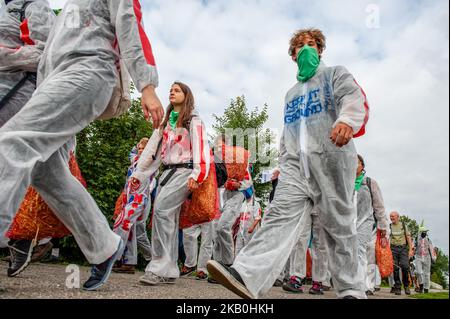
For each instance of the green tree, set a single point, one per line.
(238, 116)
(439, 270)
(412, 224)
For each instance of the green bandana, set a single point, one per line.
(359, 180)
(173, 119)
(308, 61)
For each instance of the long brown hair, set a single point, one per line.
(188, 107)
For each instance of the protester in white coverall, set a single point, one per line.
(24, 29)
(371, 216)
(233, 199)
(323, 112)
(182, 147)
(76, 78)
(196, 259)
(424, 255)
(249, 221)
(130, 224)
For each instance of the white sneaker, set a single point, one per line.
(151, 279)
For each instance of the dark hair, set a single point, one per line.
(188, 107)
(361, 159)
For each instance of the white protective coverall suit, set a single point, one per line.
(316, 172)
(76, 78)
(21, 46)
(250, 213)
(224, 246)
(424, 255)
(193, 148)
(194, 257)
(370, 210)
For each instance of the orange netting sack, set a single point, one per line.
(204, 205)
(236, 161)
(35, 219)
(384, 257)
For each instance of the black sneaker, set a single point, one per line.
(407, 291)
(425, 291)
(21, 251)
(392, 290)
(398, 291)
(278, 283)
(294, 284)
(349, 297)
(100, 273)
(369, 293)
(229, 278)
(377, 289)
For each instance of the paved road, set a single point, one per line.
(49, 281)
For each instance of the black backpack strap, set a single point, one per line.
(24, 9)
(21, 11)
(404, 231)
(369, 185)
(5, 99)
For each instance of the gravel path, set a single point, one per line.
(49, 281)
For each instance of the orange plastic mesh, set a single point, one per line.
(34, 213)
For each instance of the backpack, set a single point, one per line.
(221, 172)
(369, 185)
(221, 169)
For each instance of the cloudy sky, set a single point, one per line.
(397, 50)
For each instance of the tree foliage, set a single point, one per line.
(238, 116)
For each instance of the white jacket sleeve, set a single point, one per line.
(135, 48)
(351, 102)
(34, 31)
(201, 152)
(378, 207)
(150, 159)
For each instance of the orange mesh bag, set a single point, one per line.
(35, 219)
(204, 205)
(384, 257)
(184, 215)
(120, 205)
(236, 161)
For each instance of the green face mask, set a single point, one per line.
(359, 180)
(173, 119)
(308, 61)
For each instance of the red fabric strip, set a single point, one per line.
(25, 33)
(146, 46)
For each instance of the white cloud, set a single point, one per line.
(223, 49)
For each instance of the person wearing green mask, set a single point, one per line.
(425, 255)
(323, 112)
(371, 215)
(180, 144)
